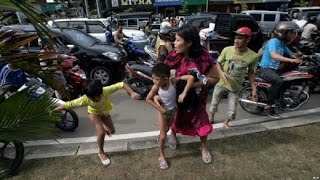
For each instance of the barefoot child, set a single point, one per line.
(99, 106)
(164, 86)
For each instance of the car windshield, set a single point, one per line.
(81, 37)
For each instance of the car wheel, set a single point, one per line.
(102, 74)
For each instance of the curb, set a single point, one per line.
(137, 141)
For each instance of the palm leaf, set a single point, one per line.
(23, 118)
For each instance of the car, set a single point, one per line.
(268, 20)
(97, 27)
(102, 61)
(300, 13)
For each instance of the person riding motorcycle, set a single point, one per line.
(12, 77)
(164, 45)
(310, 28)
(274, 53)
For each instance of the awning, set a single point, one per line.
(168, 2)
(50, 8)
(195, 2)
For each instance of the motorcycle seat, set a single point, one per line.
(142, 68)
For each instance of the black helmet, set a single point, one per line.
(285, 27)
(166, 33)
(312, 19)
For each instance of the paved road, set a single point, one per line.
(137, 116)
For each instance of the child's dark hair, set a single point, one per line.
(93, 88)
(161, 70)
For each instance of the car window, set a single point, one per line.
(95, 27)
(78, 25)
(257, 17)
(81, 38)
(269, 17)
(284, 17)
(132, 22)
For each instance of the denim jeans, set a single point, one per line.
(232, 101)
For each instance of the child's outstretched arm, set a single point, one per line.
(59, 108)
(150, 99)
(190, 80)
(131, 93)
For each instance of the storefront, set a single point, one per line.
(271, 5)
(167, 8)
(136, 5)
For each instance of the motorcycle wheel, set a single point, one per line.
(246, 93)
(69, 120)
(11, 157)
(138, 86)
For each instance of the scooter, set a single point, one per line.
(12, 153)
(140, 78)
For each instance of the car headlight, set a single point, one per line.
(111, 55)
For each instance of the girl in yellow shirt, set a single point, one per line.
(99, 106)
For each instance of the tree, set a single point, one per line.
(22, 118)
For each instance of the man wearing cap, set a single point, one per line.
(233, 63)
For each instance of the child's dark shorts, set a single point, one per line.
(169, 115)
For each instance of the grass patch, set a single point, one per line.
(291, 153)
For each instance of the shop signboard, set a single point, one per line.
(167, 2)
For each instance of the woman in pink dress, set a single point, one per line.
(188, 54)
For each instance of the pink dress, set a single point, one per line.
(196, 121)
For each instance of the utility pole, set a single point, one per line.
(98, 8)
(207, 4)
(87, 8)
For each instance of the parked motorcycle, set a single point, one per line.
(75, 77)
(12, 153)
(140, 77)
(293, 94)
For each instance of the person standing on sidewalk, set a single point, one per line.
(233, 63)
(99, 106)
(187, 48)
(165, 87)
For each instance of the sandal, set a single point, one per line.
(173, 145)
(163, 164)
(207, 158)
(106, 161)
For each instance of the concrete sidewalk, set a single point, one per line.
(145, 140)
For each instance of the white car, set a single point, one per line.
(97, 27)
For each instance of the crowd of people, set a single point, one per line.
(181, 100)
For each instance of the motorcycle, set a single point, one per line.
(311, 65)
(134, 53)
(293, 94)
(140, 77)
(12, 153)
(74, 76)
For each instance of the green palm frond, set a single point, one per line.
(24, 118)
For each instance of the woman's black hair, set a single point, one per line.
(93, 88)
(190, 34)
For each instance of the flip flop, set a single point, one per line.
(207, 158)
(106, 161)
(163, 164)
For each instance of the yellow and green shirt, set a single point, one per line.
(235, 65)
(102, 107)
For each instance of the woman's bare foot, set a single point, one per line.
(226, 123)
